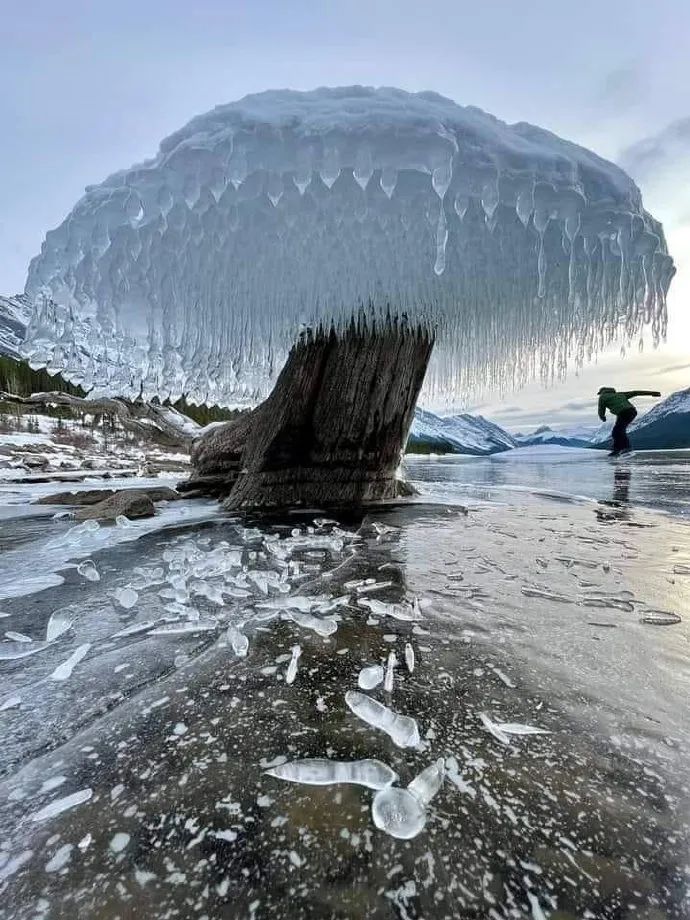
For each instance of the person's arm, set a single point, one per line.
(602, 409)
(632, 393)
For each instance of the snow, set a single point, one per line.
(15, 313)
(461, 434)
(288, 208)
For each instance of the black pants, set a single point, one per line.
(619, 433)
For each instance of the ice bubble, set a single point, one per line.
(238, 641)
(370, 677)
(126, 597)
(88, 570)
(321, 772)
(409, 657)
(291, 672)
(57, 806)
(401, 813)
(64, 670)
(58, 624)
(398, 813)
(388, 680)
(323, 627)
(402, 730)
(18, 637)
(660, 618)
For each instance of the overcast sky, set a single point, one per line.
(91, 87)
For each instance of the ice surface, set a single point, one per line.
(370, 677)
(11, 702)
(16, 650)
(321, 772)
(191, 273)
(64, 670)
(402, 730)
(57, 806)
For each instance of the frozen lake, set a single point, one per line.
(521, 592)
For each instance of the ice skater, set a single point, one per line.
(618, 403)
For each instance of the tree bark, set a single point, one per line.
(332, 430)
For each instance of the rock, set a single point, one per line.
(130, 502)
(92, 496)
(35, 463)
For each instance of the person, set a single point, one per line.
(618, 403)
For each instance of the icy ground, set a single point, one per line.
(487, 669)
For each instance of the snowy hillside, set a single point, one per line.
(456, 434)
(14, 316)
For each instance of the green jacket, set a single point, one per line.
(618, 401)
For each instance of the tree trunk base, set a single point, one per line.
(333, 429)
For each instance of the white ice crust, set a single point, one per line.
(194, 271)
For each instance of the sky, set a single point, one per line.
(91, 87)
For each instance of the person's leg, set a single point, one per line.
(618, 435)
(626, 418)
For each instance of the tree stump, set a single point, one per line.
(332, 430)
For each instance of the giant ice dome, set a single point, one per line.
(194, 272)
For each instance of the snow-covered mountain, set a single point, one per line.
(568, 436)
(456, 434)
(14, 316)
(665, 427)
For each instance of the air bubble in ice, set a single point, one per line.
(59, 622)
(402, 730)
(88, 570)
(321, 772)
(370, 677)
(64, 670)
(291, 672)
(238, 641)
(126, 597)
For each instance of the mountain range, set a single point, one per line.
(666, 426)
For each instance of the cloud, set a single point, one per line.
(578, 404)
(621, 88)
(672, 368)
(645, 157)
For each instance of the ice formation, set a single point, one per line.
(321, 772)
(194, 271)
(402, 730)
